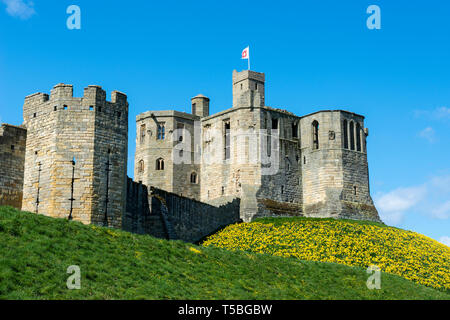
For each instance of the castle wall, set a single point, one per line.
(69, 143)
(167, 215)
(12, 161)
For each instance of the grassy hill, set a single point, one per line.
(353, 243)
(35, 252)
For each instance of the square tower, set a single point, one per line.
(248, 89)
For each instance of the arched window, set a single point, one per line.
(161, 132)
(160, 164)
(358, 136)
(141, 166)
(193, 177)
(352, 136)
(315, 134)
(345, 134)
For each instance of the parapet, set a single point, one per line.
(61, 91)
(248, 74)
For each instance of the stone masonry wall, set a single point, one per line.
(167, 215)
(70, 145)
(12, 160)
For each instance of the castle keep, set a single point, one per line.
(194, 172)
(313, 165)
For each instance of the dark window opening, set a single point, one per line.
(194, 108)
(282, 189)
(304, 160)
(345, 129)
(55, 108)
(275, 124)
(227, 140)
(354, 190)
(34, 115)
(256, 86)
(315, 133)
(91, 108)
(358, 137)
(160, 164)
(193, 177)
(223, 190)
(99, 109)
(119, 114)
(295, 130)
(181, 153)
(12, 147)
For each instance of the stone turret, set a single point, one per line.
(200, 106)
(76, 155)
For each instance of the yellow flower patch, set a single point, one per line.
(404, 253)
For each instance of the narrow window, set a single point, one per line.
(141, 166)
(256, 85)
(143, 128)
(119, 114)
(12, 147)
(193, 177)
(241, 86)
(180, 153)
(304, 160)
(223, 190)
(55, 108)
(227, 140)
(34, 115)
(282, 189)
(99, 109)
(160, 164)
(315, 134)
(275, 124)
(352, 136)
(345, 131)
(161, 131)
(358, 136)
(294, 130)
(354, 190)
(194, 106)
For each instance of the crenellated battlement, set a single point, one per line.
(61, 99)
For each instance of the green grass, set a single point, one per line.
(35, 252)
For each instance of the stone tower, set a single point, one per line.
(248, 88)
(76, 155)
(200, 106)
(335, 174)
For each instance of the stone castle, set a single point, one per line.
(69, 160)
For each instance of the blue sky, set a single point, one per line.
(315, 54)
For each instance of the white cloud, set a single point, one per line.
(445, 240)
(19, 8)
(428, 134)
(393, 205)
(442, 211)
(442, 113)
(430, 198)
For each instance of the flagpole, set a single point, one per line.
(248, 58)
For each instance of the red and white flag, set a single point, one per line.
(246, 55)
